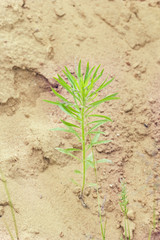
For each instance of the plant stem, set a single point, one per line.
(10, 204)
(103, 229)
(83, 148)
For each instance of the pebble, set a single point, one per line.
(87, 191)
(108, 206)
(94, 194)
(59, 12)
(1, 211)
(151, 100)
(131, 214)
(77, 190)
(151, 150)
(128, 107)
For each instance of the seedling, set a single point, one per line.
(84, 93)
(11, 208)
(124, 207)
(153, 227)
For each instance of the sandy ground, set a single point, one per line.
(37, 39)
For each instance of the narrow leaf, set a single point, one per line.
(63, 83)
(72, 149)
(104, 161)
(95, 185)
(95, 73)
(101, 116)
(100, 121)
(71, 78)
(79, 69)
(59, 95)
(77, 171)
(55, 103)
(110, 97)
(66, 152)
(97, 78)
(69, 124)
(94, 127)
(61, 129)
(70, 130)
(75, 182)
(87, 70)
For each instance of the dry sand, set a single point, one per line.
(37, 39)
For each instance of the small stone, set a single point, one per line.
(100, 148)
(77, 190)
(142, 130)
(128, 107)
(61, 234)
(94, 194)
(1, 211)
(59, 11)
(50, 52)
(26, 115)
(151, 100)
(107, 134)
(87, 191)
(151, 150)
(131, 214)
(118, 226)
(108, 206)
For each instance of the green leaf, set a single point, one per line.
(110, 97)
(70, 130)
(63, 84)
(87, 70)
(103, 85)
(88, 85)
(94, 127)
(77, 171)
(55, 103)
(59, 95)
(94, 132)
(100, 121)
(75, 182)
(89, 161)
(69, 124)
(95, 73)
(66, 152)
(104, 161)
(69, 111)
(89, 164)
(62, 129)
(100, 75)
(96, 137)
(90, 157)
(71, 78)
(97, 143)
(95, 185)
(101, 116)
(72, 149)
(79, 69)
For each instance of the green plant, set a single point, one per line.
(86, 129)
(11, 208)
(124, 207)
(152, 228)
(83, 92)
